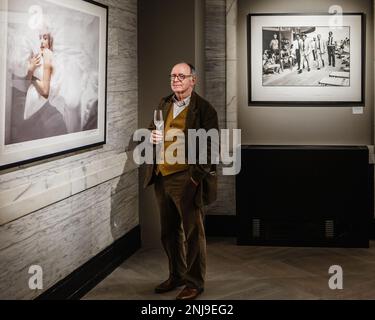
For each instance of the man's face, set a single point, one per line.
(275, 36)
(186, 85)
(298, 37)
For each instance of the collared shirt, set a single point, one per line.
(179, 106)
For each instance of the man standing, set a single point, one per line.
(274, 44)
(297, 45)
(313, 48)
(320, 51)
(306, 51)
(331, 49)
(182, 189)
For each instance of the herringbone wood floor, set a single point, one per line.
(248, 272)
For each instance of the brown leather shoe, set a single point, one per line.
(169, 285)
(189, 293)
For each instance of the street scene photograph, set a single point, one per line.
(306, 56)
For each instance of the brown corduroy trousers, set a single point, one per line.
(182, 230)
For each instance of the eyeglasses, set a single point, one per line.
(179, 76)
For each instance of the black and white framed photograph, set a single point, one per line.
(53, 64)
(306, 59)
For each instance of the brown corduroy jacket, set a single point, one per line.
(200, 115)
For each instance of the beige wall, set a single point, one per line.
(322, 125)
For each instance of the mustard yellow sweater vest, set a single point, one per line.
(170, 123)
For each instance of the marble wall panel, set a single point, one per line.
(219, 61)
(66, 234)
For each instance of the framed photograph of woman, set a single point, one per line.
(53, 69)
(306, 59)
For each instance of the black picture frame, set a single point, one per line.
(360, 92)
(92, 125)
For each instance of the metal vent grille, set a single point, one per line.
(256, 228)
(329, 229)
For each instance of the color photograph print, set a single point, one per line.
(53, 77)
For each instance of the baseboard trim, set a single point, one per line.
(86, 277)
(220, 225)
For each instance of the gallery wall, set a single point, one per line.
(62, 236)
(307, 125)
(226, 88)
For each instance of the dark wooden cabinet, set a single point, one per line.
(304, 196)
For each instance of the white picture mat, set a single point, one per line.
(353, 93)
(23, 151)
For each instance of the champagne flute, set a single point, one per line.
(158, 121)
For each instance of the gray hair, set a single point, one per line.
(192, 68)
